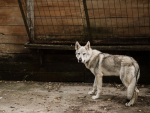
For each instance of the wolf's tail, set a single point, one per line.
(137, 70)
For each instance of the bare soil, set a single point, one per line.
(44, 97)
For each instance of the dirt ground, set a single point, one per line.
(49, 97)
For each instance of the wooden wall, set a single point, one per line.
(19, 63)
(12, 38)
(120, 18)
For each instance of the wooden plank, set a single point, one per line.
(56, 39)
(56, 8)
(13, 30)
(105, 13)
(58, 30)
(124, 41)
(120, 32)
(13, 48)
(58, 13)
(8, 3)
(9, 39)
(133, 31)
(55, 0)
(15, 10)
(74, 3)
(11, 20)
(120, 22)
(10, 11)
(117, 4)
(114, 22)
(58, 21)
(95, 3)
(67, 47)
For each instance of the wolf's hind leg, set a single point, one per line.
(134, 98)
(131, 93)
(137, 93)
(94, 88)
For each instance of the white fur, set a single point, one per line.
(105, 65)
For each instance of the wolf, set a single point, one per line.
(104, 64)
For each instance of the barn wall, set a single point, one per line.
(19, 63)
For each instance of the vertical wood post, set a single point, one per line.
(30, 18)
(87, 20)
(25, 21)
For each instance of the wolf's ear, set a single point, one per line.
(77, 45)
(87, 46)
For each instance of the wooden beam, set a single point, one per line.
(30, 17)
(70, 47)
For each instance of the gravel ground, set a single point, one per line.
(50, 97)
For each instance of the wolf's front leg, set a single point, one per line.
(94, 88)
(99, 86)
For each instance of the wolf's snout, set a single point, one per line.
(80, 60)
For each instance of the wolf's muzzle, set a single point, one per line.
(80, 60)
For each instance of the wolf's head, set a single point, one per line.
(83, 53)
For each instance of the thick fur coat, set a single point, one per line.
(103, 64)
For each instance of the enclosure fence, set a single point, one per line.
(100, 21)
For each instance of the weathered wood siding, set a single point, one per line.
(18, 63)
(120, 18)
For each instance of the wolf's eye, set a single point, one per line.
(83, 53)
(78, 53)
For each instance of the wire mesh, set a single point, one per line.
(110, 21)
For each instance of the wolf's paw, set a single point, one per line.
(95, 97)
(90, 92)
(128, 104)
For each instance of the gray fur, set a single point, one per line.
(103, 64)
